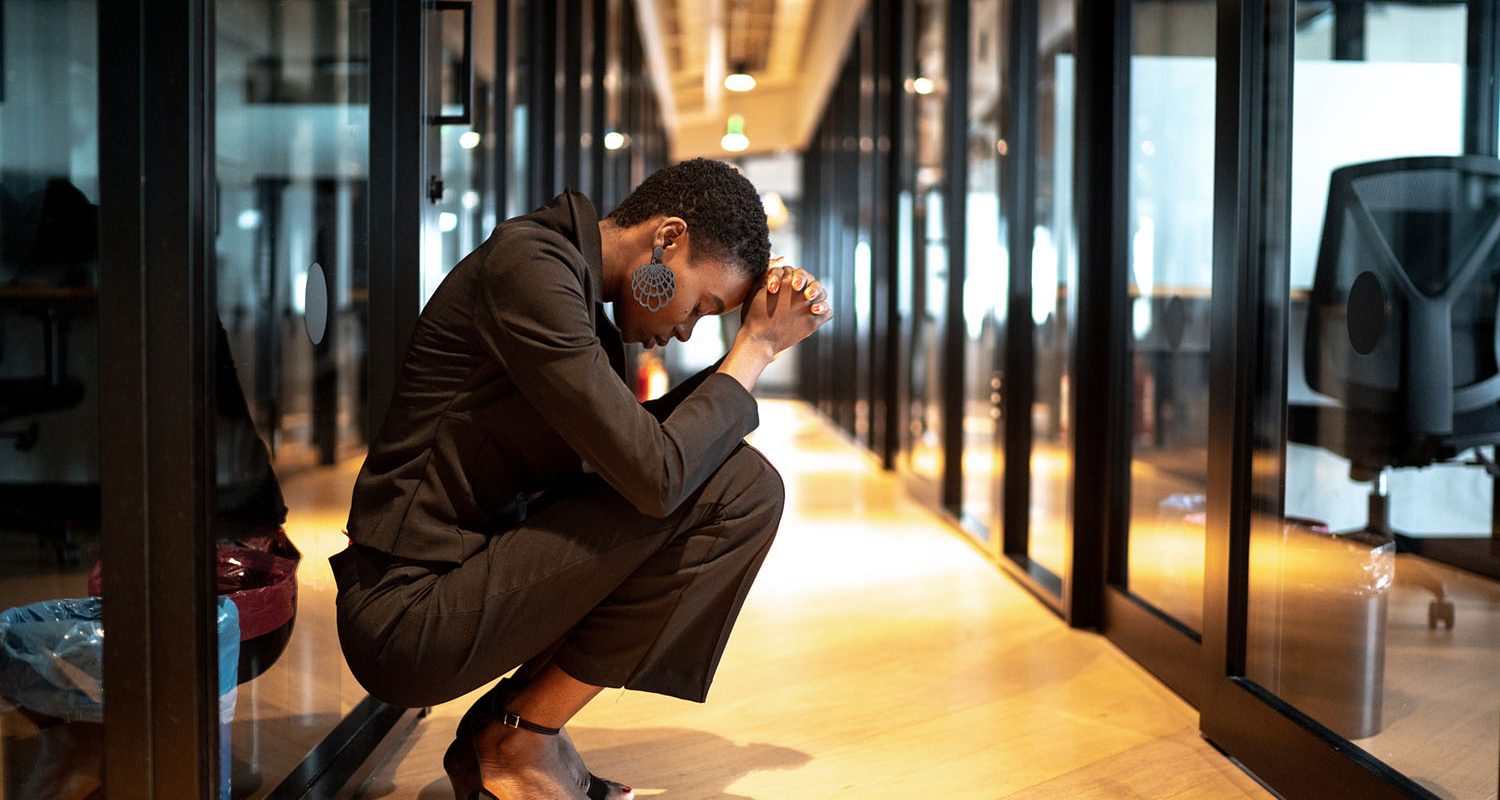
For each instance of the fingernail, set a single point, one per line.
(773, 285)
(796, 283)
(817, 308)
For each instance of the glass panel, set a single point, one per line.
(1171, 277)
(987, 261)
(465, 204)
(930, 255)
(1375, 574)
(292, 134)
(1054, 264)
(51, 723)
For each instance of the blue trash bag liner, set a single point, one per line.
(52, 654)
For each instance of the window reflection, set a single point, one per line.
(292, 162)
(1171, 275)
(51, 676)
(927, 88)
(987, 265)
(1053, 269)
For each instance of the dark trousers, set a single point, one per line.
(625, 599)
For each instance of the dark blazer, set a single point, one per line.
(512, 383)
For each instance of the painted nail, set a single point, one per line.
(797, 283)
(773, 285)
(817, 308)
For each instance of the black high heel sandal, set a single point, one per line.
(461, 762)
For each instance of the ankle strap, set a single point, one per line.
(514, 720)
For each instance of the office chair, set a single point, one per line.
(1402, 327)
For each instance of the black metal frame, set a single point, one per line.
(1101, 456)
(157, 329)
(955, 210)
(1482, 80)
(466, 68)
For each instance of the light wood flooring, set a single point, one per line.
(881, 656)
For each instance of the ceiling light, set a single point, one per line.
(468, 140)
(735, 139)
(922, 86)
(740, 80)
(614, 140)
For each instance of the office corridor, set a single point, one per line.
(880, 656)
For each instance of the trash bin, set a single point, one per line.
(1335, 591)
(51, 664)
(260, 576)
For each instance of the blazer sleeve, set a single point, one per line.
(662, 407)
(534, 316)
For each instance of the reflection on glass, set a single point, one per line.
(292, 166)
(1054, 261)
(51, 717)
(988, 271)
(930, 268)
(467, 210)
(1171, 276)
(1375, 597)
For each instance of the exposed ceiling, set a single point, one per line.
(793, 48)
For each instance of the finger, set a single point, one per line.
(800, 278)
(821, 309)
(773, 280)
(814, 291)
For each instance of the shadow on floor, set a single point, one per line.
(661, 763)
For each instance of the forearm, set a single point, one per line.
(747, 359)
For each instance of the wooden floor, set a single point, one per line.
(880, 656)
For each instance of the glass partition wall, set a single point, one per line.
(1374, 578)
(240, 179)
(1250, 251)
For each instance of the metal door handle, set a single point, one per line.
(466, 68)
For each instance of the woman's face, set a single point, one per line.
(703, 287)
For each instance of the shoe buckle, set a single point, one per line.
(511, 719)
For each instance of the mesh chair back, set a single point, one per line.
(1402, 318)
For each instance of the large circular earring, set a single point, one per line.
(653, 285)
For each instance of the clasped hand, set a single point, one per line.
(787, 309)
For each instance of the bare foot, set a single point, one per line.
(617, 791)
(520, 765)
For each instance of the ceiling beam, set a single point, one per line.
(656, 63)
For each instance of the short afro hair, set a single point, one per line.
(721, 207)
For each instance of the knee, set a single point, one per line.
(763, 489)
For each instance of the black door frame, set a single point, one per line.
(155, 345)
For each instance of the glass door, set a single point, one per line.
(1364, 654)
(1154, 604)
(1052, 260)
(460, 205)
(925, 264)
(986, 272)
(291, 217)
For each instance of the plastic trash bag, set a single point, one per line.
(52, 654)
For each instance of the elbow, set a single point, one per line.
(657, 503)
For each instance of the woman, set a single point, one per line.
(520, 508)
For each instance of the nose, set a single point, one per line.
(684, 331)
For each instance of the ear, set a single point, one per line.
(668, 233)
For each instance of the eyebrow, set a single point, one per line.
(718, 300)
